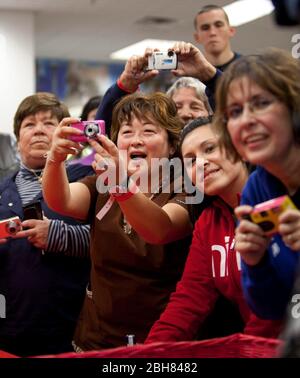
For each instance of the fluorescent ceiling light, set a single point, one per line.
(239, 12)
(140, 47)
(243, 11)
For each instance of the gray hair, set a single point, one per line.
(190, 82)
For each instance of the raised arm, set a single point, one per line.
(191, 62)
(69, 199)
(133, 75)
(155, 224)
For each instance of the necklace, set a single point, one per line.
(127, 228)
(38, 174)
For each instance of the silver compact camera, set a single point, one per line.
(162, 60)
(9, 227)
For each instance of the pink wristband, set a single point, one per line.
(121, 86)
(120, 197)
(121, 193)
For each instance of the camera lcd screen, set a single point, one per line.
(168, 61)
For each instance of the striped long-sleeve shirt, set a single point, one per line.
(70, 240)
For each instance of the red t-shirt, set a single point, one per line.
(213, 267)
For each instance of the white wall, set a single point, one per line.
(17, 70)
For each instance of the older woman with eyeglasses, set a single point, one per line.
(258, 117)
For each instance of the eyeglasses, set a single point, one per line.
(257, 105)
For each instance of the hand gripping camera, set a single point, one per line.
(9, 227)
(89, 129)
(162, 60)
(266, 214)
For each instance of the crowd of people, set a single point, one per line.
(121, 245)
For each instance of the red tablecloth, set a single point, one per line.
(234, 346)
(6, 355)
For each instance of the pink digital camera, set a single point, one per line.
(89, 129)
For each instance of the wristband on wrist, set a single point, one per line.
(121, 86)
(120, 197)
(123, 192)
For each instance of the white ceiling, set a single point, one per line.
(92, 29)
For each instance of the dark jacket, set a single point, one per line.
(268, 285)
(43, 292)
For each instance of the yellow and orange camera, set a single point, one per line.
(266, 214)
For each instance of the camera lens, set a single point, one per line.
(91, 130)
(266, 225)
(170, 53)
(12, 227)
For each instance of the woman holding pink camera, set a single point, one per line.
(138, 235)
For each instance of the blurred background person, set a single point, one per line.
(287, 12)
(89, 109)
(214, 32)
(189, 96)
(85, 155)
(9, 158)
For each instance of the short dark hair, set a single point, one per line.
(41, 101)
(157, 106)
(208, 8)
(194, 124)
(91, 104)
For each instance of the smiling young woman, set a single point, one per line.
(212, 268)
